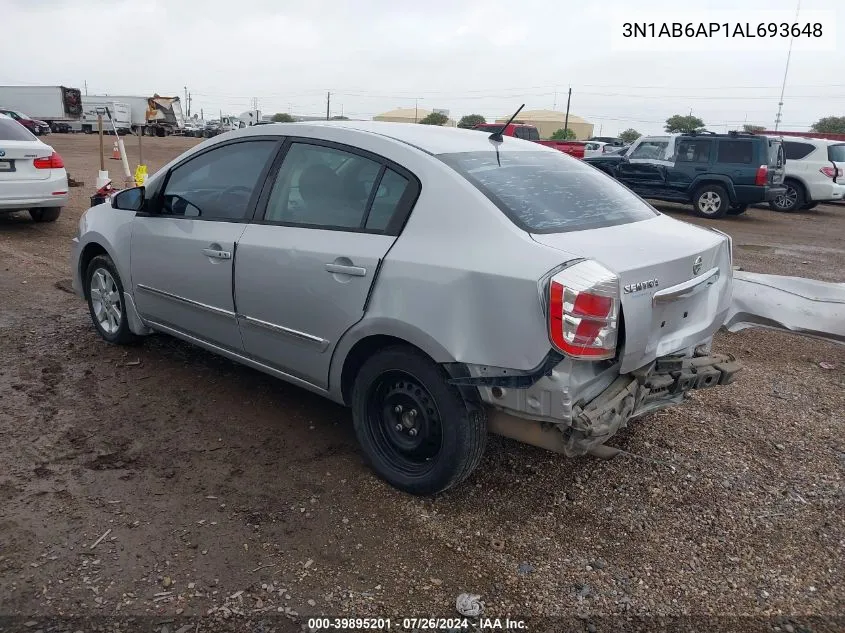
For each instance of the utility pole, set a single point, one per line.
(328, 104)
(186, 95)
(86, 87)
(554, 105)
(566, 119)
(416, 109)
(785, 73)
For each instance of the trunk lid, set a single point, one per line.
(659, 256)
(16, 160)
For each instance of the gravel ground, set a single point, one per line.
(162, 482)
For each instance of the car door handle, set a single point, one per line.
(341, 269)
(216, 254)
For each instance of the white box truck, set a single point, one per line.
(121, 114)
(57, 105)
(152, 116)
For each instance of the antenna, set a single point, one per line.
(497, 136)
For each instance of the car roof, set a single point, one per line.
(808, 139)
(429, 138)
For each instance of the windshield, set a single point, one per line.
(549, 192)
(13, 131)
(836, 153)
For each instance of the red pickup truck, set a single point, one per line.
(530, 133)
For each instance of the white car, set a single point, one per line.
(594, 148)
(32, 174)
(815, 172)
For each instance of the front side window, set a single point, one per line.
(652, 150)
(218, 184)
(322, 186)
(549, 192)
(737, 152)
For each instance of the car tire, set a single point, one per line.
(792, 200)
(738, 209)
(107, 313)
(45, 214)
(418, 433)
(711, 201)
(809, 206)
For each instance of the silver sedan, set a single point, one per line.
(440, 282)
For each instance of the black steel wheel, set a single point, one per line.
(417, 431)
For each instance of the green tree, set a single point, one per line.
(684, 124)
(283, 117)
(563, 135)
(469, 121)
(753, 129)
(629, 136)
(830, 125)
(435, 118)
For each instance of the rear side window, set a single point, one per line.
(796, 151)
(693, 151)
(739, 152)
(836, 153)
(531, 134)
(549, 192)
(13, 131)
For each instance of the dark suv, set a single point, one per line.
(716, 173)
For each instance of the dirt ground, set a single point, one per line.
(165, 483)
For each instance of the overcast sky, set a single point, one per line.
(466, 56)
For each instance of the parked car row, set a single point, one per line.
(33, 125)
(723, 174)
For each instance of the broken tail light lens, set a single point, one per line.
(584, 311)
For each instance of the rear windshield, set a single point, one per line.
(549, 192)
(836, 152)
(13, 131)
(777, 158)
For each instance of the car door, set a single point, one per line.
(644, 169)
(306, 266)
(692, 159)
(183, 246)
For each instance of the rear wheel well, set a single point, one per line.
(798, 183)
(709, 183)
(358, 355)
(90, 251)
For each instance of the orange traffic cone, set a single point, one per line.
(115, 152)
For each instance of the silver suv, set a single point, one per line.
(438, 282)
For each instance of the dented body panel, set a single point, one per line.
(791, 304)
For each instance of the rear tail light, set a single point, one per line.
(53, 161)
(584, 311)
(762, 176)
(832, 172)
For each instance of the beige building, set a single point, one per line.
(407, 115)
(548, 122)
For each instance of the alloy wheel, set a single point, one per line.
(106, 301)
(709, 202)
(788, 200)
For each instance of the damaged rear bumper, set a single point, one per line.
(660, 384)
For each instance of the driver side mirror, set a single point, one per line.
(129, 199)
